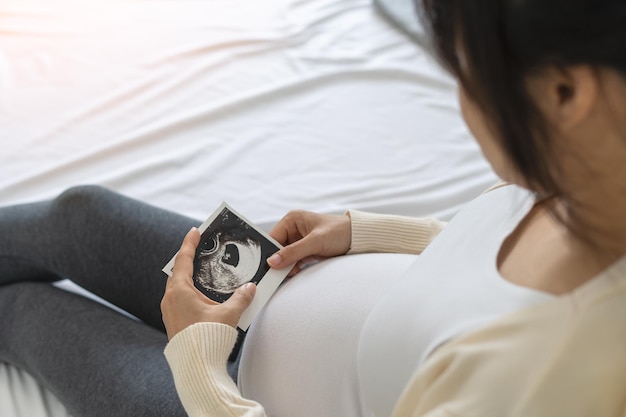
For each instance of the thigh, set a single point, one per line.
(107, 243)
(96, 361)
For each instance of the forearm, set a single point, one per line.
(391, 233)
(197, 357)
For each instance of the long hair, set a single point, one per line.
(504, 41)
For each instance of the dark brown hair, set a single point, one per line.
(504, 41)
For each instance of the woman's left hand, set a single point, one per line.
(183, 304)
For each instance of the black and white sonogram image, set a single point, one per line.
(231, 252)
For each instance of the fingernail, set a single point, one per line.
(274, 260)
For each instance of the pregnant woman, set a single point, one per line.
(517, 307)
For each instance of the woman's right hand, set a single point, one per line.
(309, 237)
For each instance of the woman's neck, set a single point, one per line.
(592, 158)
(596, 216)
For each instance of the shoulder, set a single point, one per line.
(497, 185)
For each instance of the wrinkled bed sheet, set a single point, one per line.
(270, 105)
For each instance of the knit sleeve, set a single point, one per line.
(391, 233)
(197, 357)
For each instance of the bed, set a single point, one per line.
(269, 105)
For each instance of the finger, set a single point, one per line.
(294, 271)
(303, 264)
(241, 299)
(293, 253)
(183, 264)
(310, 260)
(280, 231)
(286, 230)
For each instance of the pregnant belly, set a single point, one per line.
(299, 358)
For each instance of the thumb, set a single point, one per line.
(242, 298)
(291, 254)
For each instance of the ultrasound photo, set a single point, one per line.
(233, 251)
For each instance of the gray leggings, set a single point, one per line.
(97, 361)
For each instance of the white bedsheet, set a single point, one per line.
(270, 105)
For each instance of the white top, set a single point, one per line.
(452, 288)
(331, 323)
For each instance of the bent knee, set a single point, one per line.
(82, 195)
